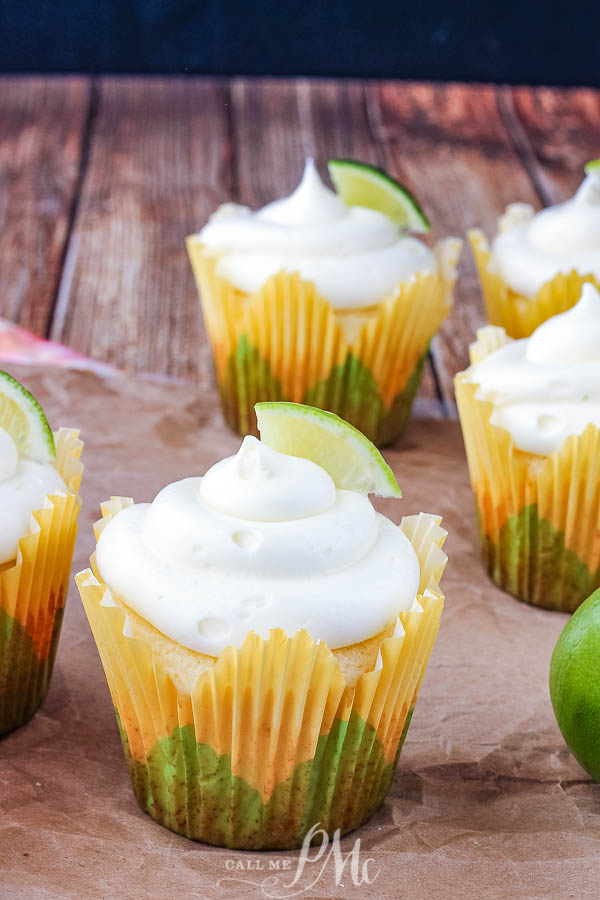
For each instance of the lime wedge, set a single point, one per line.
(359, 184)
(354, 463)
(23, 418)
(593, 167)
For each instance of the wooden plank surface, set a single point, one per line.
(42, 136)
(159, 163)
(103, 179)
(556, 132)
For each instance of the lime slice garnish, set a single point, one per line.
(354, 463)
(24, 420)
(359, 184)
(593, 167)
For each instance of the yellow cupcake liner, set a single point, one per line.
(539, 516)
(285, 342)
(33, 591)
(272, 739)
(518, 314)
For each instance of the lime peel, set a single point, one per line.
(342, 450)
(24, 420)
(360, 184)
(575, 687)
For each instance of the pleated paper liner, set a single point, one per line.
(285, 342)
(517, 314)
(33, 590)
(539, 516)
(271, 739)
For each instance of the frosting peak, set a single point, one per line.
(263, 541)
(531, 250)
(310, 203)
(572, 336)
(547, 387)
(266, 486)
(355, 256)
(589, 190)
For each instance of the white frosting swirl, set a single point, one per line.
(547, 387)
(531, 250)
(24, 486)
(264, 540)
(355, 256)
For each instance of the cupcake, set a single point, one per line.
(530, 415)
(40, 474)
(264, 633)
(319, 299)
(538, 263)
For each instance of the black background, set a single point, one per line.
(530, 42)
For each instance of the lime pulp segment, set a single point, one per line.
(24, 420)
(360, 184)
(345, 453)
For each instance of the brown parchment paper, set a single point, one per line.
(487, 801)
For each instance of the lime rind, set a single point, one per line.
(593, 167)
(342, 450)
(574, 687)
(36, 441)
(360, 184)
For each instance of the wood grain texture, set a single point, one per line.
(159, 163)
(267, 139)
(101, 182)
(42, 133)
(556, 133)
(450, 145)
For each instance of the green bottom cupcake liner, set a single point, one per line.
(24, 676)
(190, 789)
(530, 561)
(350, 391)
(271, 740)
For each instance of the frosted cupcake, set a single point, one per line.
(318, 299)
(40, 475)
(530, 414)
(538, 263)
(264, 634)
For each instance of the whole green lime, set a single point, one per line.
(575, 684)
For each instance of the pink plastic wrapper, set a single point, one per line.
(17, 345)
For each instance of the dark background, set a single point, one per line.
(530, 41)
